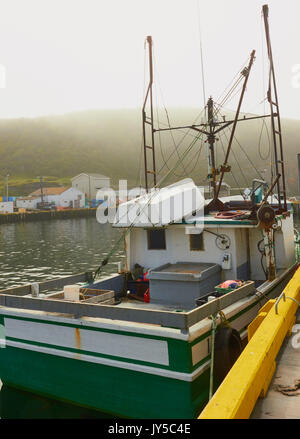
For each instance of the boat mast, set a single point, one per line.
(149, 145)
(211, 139)
(275, 116)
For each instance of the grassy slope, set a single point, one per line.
(109, 142)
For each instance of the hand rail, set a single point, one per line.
(282, 295)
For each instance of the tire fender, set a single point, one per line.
(228, 346)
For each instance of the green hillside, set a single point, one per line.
(109, 142)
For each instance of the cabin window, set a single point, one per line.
(196, 242)
(156, 239)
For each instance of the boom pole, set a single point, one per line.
(224, 167)
(149, 146)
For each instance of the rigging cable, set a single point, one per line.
(263, 254)
(187, 132)
(180, 143)
(263, 92)
(229, 94)
(250, 161)
(259, 142)
(254, 167)
(264, 56)
(201, 55)
(237, 162)
(226, 99)
(233, 177)
(197, 154)
(235, 77)
(263, 50)
(176, 147)
(241, 171)
(168, 120)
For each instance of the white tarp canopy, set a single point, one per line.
(161, 207)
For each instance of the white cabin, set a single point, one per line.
(235, 245)
(154, 247)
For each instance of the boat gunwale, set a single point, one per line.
(166, 318)
(173, 319)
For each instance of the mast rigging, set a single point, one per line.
(213, 127)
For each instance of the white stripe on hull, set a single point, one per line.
(134, 348)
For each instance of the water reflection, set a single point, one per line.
(17, 404)
(37, 251)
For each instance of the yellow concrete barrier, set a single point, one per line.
(251, 375)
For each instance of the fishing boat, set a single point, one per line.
(155, 339)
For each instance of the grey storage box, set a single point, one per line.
(182, 283)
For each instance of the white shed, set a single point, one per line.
(61, 196)
(6, 207)
(27, 202)
(89, 184)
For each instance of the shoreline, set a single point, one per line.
(16, 217)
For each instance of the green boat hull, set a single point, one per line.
(120, 392)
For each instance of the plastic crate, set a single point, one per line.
(138, 287)
(225, 290)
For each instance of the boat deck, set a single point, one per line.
(140, 304)
(283, 398)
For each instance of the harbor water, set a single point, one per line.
(42, 250)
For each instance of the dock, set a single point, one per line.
(265, 380)
(283, 398)
(43, 215)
